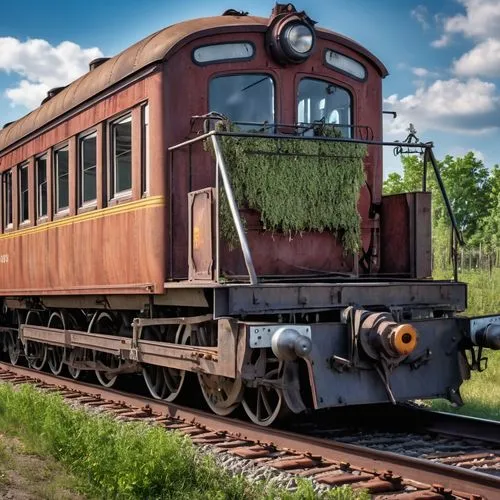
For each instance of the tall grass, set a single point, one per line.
(481, 393)
(127, 460)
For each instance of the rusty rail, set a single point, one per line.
(326, 461)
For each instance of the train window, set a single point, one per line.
(320, 100)
(145, 149)
(7, 197)
(121, 140)
(345, 64)
(241, 51)
(23, 193)
(61, 178)
(41, 187)
(247, 98)
(87, 168)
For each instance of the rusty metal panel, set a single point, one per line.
(100, 258)
(201, 244)
(237, 300)
(422, 238)
(406, 235)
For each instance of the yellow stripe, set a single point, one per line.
(151, 202)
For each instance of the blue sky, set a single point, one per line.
(443, 56)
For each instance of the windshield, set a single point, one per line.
(243, 98)
(320, 100)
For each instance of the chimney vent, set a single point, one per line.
(52, 93)
(97, 62)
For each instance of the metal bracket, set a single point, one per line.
(260, 336)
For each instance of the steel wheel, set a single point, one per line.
(164, 382)
(13, 347)
(36, 352)
(265, 403)
(73, 356)
(77, 354)
(222, 394)
(56, 354)
(109, 361)
(103, 322)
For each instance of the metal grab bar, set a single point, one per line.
(221, 168)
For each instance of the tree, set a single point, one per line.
(410, 181)
(490, 230)
(468, 185)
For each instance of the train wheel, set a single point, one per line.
(265, 403)
(56, 354)
(77, 354)
(36, 352)
(222, 394)
(13, 347)
(77, 321)
(163, 382)
(103, 322)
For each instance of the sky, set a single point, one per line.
(443, 56)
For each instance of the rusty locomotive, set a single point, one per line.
(116, 194)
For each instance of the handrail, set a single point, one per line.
(201, 137)
(234, 212)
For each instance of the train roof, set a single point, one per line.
(152, 49)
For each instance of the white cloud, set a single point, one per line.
(483, 59)
(462, 151)
(472, 106)
(27, 94)
(424, 73)
(420, 14)
(41, 66)
(420, 72)
(481, 19)
(441, 42)
(480, 22)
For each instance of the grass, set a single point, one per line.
(28, 476)
(481, 393)
(128, 460)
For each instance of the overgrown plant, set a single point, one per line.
(296, 184)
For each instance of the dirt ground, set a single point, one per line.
(27, 476)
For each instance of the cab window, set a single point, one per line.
(243, 98)
(320, 100)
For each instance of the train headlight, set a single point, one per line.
(297, 40)
(290, 37)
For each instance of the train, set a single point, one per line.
(205, 210)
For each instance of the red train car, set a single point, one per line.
(112, 253)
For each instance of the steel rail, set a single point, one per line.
(463, 481)
(461, 426)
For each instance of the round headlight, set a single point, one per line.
(299, 38)
(291, 38)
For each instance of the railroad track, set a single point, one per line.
(328, 462)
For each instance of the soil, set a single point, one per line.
(25, 475)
